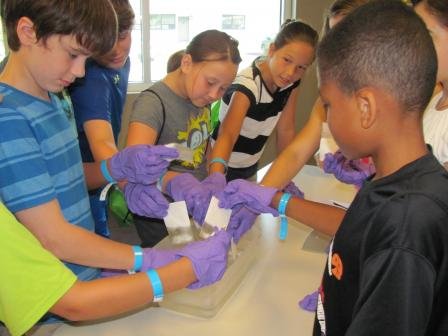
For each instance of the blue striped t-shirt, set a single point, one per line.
(40, 160)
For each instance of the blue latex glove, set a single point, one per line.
(145, 200)
(152, 258)
(241, 220)
(142, 164)
(292, 189)
(255, 197)
(209, 258)
(348, 171)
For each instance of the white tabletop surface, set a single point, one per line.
(266, 302)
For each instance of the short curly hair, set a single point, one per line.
(381, 44)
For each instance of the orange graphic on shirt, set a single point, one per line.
(337, 268)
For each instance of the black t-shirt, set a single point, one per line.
(387, 270)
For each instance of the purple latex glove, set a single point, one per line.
(155, 258)
(241, 220)
(180, 187)
(152, 258)
(209, 258)
(107, 273)
(255, 197)
(201, 196)
(309, 302)
(145, 200)
(348, 171)
(196, 194)
(142, 164)
(293, 190)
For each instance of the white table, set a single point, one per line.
(266, 301)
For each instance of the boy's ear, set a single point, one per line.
(365, 99)
(25, 31)
(186, 63)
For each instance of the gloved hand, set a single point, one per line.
(348, 171)
(155, 258)
(309, 302)
(201, 197)
(241, 220)
(293, 190)
(255, 197)
(214, 183)
(181, 188)
(145, 200)
(180, 185)
(209, 258)
(152, 258)
(196, 194)
(142, 164)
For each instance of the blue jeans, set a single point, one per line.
(99, 213)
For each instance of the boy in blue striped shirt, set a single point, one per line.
(42, 177)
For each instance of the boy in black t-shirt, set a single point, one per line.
(387, 269)
(388, 263)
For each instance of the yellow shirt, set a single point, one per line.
(32, 280)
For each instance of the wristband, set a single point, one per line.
(219, 160)
(138, 258)
(105, 172)
(157, 288)
(283, 219)
(103, 194)
(160, 182)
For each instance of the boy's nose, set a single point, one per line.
(79, 68)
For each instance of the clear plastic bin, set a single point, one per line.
(207, 301)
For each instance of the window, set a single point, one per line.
(233, 22)
(162, 21)
(165, 26)
(3, 44)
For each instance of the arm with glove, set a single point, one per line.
(195, 265)
(247, 200)
(260, 199)
(208, 258)
(138, 168)
(143, 164)
(348, 171)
